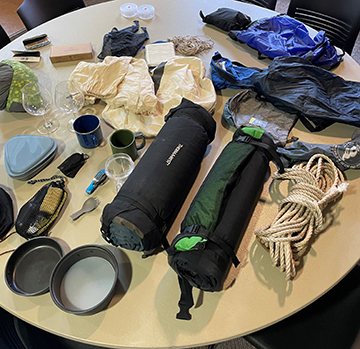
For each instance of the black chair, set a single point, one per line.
(270, 4)
(9, 338)
(339, 19)
(36, 12)
(4, 38)
(331, 322)
(17, 334)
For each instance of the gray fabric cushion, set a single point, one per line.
(6, 76)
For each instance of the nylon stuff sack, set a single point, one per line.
(6, 213)
(287, 82)
(282, 35)
(143, 211)
(123, 42)
(38, 215)
(226, 19)
(230, 74)
(217, 218)
(249, 108)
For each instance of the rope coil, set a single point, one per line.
(300, 214)
(191, 45)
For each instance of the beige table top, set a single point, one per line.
(142, 313)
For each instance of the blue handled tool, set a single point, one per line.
(99, 179)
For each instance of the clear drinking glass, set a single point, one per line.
(118, 167)
(36, 100)
(69, 99)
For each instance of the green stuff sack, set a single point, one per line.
(13, 77)
(218, 216)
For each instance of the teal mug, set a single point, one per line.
(124, 141)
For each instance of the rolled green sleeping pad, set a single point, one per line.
(218, 216)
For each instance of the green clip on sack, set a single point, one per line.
(38, 215)
(218, 216)
(13, 77)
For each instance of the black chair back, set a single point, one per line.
(4, 38)
(331, 322)
(339, 19)
(270, 4)
(36, 12)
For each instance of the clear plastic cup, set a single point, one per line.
(128, 10)
(145, 11)
(118, 168)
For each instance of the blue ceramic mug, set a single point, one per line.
(88, 131)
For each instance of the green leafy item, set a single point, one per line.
(21, 76)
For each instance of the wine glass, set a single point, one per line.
(69, 99)
(36, 100)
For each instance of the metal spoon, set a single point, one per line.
(89, 205)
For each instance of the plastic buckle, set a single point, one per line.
(192, 229)
(200, 245)
(244, 139)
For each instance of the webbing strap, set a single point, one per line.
(186, 299)
(146, 207)
(269, 149)
(196, 229)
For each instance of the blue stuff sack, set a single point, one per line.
(230, 74)
(282, 35)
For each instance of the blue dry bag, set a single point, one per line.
(282, 35)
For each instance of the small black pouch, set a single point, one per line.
(6, 213)
(40, 212)
(227, 19)
(71, 166)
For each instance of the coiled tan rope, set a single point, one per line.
(315, 185)
(191, 45)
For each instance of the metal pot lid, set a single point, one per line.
(28, 269)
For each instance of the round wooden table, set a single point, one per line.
(142, 312)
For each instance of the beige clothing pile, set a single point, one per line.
(125, 84)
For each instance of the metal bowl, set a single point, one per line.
(84, 280)
(29, 268)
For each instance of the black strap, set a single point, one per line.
(202, 15)
(41, 180)
(196, 229)
(147, 208)
(266, 147)
(308, 125)
(186, 299)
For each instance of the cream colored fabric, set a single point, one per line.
(125, 84)
(184, 77)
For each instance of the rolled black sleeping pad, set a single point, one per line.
(144, 209)
(217, 218)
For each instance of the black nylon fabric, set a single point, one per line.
(6, 213)
(318, 96)
(6, 76)
(39, 214)
(124, 42)
(227, 19)
(207, 268)
(72, 164)
(163, 177)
